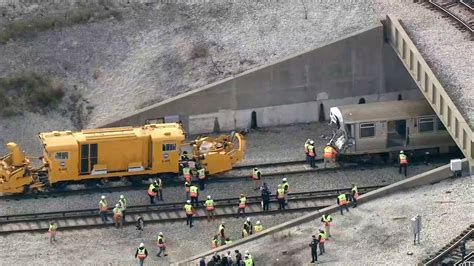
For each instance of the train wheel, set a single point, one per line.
(60, 186)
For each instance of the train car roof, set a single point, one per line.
(385, 111)
(67, 139)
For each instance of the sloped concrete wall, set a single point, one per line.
(290, 90)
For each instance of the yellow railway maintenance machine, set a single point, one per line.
(125, 152)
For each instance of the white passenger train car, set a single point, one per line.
(388, 127)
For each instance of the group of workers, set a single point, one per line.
(329, 153)
(228, 260)
(142, 253)
(118, 211)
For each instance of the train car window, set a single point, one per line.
(367, 130)
(440, 125)
(349, 130)
(426, 124)
(93, 155)
(84, 158)
(63, 155)
(169, 147)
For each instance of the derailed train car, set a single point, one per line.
(133, 153)
(382, 129)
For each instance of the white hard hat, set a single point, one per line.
(329, 144)
(142, 245)
(247, 252)
(284, 179)
(188, 201)
(116, 205)
(401, 151)
(308, 140)
(258, 222)
(209, 196)
(161, 233)
(248, 219)
(103, 197)
(311, 142)
(121, 196)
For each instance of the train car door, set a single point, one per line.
(396, 133)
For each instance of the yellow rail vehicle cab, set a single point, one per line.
(124, 151)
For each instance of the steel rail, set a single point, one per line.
(168, 212)
(452, 15)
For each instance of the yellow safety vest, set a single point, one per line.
(355, 191)
(201, 173)
(158, 241)
(103, 205)
(311, 150)
(403, 159)
(221, 226)
(242, 203)
(255, 174)
(258, 227)
(281, 193)
(141, 253)
(123, 203)
(215, 243)
(209, 205)
(117, 211)
(323, 237)
(342, 199)
(53, 227)
(244, 233)
(186, 171)
(328, 152)
(327, 219)
(227, 242)
(150, 190)
(188, 208)
(248, 262)
(306, 147)
(193, 191)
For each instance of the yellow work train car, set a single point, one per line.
(127, 152)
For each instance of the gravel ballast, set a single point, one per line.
(378, 232)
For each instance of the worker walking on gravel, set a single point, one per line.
(141, 253)
(242, 205)
(159, 188)
(123, 205)
(152, 191)
(215, 242)
(314, 249)
(221, 233)
(201, 173)
(342, 202)
(403, 161)
(189, 210)
(161, 245)
(248, 226)
(258, 227)
(326, 219)
(354, 195)
(329, 154)
(103, 207)
(210, 207)
(322, 240)
(187, 186)
(53, 227)
(118, 216)
(280, 195)
(256, 177)
(312, 154)
(286, 188)
(306, 144)
(194, 195)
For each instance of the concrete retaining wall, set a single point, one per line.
(291, 90)
(429, 177)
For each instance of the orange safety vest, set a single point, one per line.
(210, 205)
(193, 191)
(150, 190)
(311, 151)
(242, 203)
(342, 199)
(329, 152)
(255, 174)
(403, 159)
(323, 237)
(141, 254)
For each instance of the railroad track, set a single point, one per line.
(238, 172)
(462, 12)
(451, 253)
(168, 212)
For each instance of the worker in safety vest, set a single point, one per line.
(52, 231)
(342, 202)
(326, 219)
(329, 154)
(141, 253)
(312, 154)
(187, 172)
(306, 144)
(159, 188)
(118, 216)
(227, 241)
(248, 226)
(189, 210)
(245, 233)
(221, 232)
(403, 160)
(256, 177)
(187, 186)
(201, 174)
(103, 206)
(183, 160)
(215, 242)
(210, 207)
(194, 195)
(354, 195)
(152, 191)
(123, 205)
(242, 205)
(258, 227)
(321, 238)
(248, 261)
(280, 195)
(161, 245)
(286, 187)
